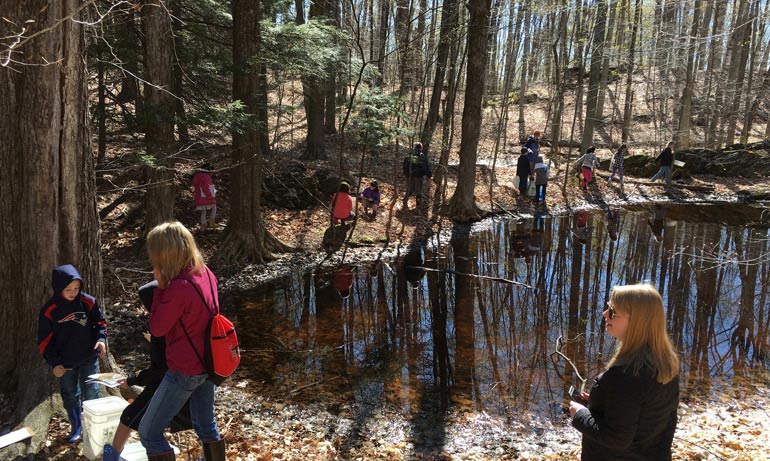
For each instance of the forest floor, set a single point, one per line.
(262, 423)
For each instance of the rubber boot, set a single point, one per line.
(110, 454)
(214, 451)
(168, 456)
(75, 415)
(212, 224)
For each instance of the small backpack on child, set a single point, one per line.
(221, 354)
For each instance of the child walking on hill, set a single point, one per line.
(589, 163)
(205, 196)
(71, 336)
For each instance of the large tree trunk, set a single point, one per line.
(383, 39)
(48, 190)
(403, 37)
(313, 100)
(595, 75)
(246, 237)
(685, 114)
(158, 113)
(462, 205)
(330, 85)
(448, 23)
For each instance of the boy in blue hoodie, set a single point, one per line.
(71, 336)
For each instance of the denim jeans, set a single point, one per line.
(73, 381)
(664, 170)
(541, 192)
(171, 395)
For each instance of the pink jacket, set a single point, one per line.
(203, 189)
(180, 301)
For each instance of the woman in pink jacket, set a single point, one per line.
(180, 313)
(205, 196)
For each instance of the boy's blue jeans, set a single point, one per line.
(171, 395)
(73, 381)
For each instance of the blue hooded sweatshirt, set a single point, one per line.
(67, 331)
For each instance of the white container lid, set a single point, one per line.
(104, 406)
(136, 452)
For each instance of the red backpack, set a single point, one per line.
(221, 354)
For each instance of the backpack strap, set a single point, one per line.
(200, 357)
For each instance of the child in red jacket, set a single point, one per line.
(205, 196)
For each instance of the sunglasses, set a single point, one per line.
(612, 312)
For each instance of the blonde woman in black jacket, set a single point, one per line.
(631, 412)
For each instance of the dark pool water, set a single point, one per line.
(474, 323)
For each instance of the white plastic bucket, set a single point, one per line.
(100, 420)
(136, 452)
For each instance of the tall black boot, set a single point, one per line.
(214, 451)
(168, 456)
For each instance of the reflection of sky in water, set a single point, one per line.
(427, 338)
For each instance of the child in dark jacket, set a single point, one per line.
(150, 378)
(371, 198)
(524, 170)
(71, 336)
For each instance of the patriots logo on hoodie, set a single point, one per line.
(78, 317)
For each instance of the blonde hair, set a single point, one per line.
(172, 249)
(646, 343)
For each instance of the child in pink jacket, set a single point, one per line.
(205, 196)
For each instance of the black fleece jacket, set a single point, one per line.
(628, 417)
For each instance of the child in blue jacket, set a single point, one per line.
(71, 336)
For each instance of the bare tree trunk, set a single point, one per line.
(685, 114)
(595, 75)
(313, 100)
(715, 66)
(628, 107)
(739, 57)
(560, 61)
(462, 205)
(448, 23)
(331, 10)
(158, 113)
(524, 67)
(383, 42)
(181, 116)
(49, 196)
(403, 36)
(246, 237)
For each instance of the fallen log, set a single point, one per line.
(644, 182)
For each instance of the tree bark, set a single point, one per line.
(158, 114)
(739, 57)
(403, 38)
(462, 205)
(49, 199)
(685, 114)
(246, 238)
(595, 74)
(628, 107)
(560, 60)
(524, 67)
(448, 23)
(383, 39)
(313, 100)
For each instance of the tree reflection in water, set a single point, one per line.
(416, 336)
